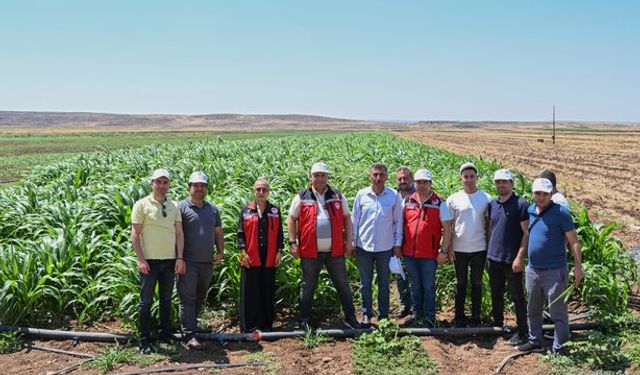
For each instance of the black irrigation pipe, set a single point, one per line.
(272, 336)
(58, 351)
(193, 367)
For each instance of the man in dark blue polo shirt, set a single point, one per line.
(506, 252)
(202, 227)
(547, 273)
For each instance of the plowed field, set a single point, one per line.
(597, 167)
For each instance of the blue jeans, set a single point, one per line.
(422, 277)
(544, 287)
(366, 260)
(162, 273)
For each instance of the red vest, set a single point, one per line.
(307, 220)
(250, 222)
(422, 226)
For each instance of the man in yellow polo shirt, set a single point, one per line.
(157, 237)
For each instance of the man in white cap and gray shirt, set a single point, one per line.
(547, 273)
(319, 227)
(470, 224)
(156, 234)
(202, 228)
(508, 239)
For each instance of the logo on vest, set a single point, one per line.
(274, 210)
(336, 205)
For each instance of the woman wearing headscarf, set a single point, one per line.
(261, 240)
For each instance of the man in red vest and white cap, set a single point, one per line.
(320, 233)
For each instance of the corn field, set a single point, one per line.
(65, 252)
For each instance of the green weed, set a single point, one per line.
(10, 342)
(313, 339)
(385, 351)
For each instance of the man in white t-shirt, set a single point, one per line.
(468, 209)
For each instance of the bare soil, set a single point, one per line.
(595, 166)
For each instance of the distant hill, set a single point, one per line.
(86, 121)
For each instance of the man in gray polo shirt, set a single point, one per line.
(202, 227)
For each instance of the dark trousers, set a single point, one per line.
(337, 271)
(192, 290)
(404, 289)
(161, 273)
(500, 272)
(257, 289)
(464, 262)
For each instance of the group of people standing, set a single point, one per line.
(412, 223)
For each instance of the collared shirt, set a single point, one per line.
(198, 224)
(506, 231)
(323, 224)
(158, 236)
(377, 219)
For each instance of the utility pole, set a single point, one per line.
(553, 137)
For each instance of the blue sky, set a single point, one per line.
(393, 60)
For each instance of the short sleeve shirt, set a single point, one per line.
(198, 224)
(158, 237)
(468, 213)
(546, 237)
(506, 232)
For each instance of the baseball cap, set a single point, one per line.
(549, 175)
(422, 174)
(161, 172)
(319, 167)
(542, 184)
(197, 177)
(466, 166)
(503, 174)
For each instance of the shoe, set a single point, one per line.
(144, 348)
(166, 338)
(518, 339)
(411, 322)
(366, 322)
(351, 322)
(194, 344)
(406, 311)
(562, 351)
(528, 347)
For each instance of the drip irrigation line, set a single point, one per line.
(59, 351)
(193, 367)
(69, 369)
(272, 336)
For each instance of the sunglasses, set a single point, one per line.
(262, 190)
(164, 210)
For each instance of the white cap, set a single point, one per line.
(160, 173)
(542, 184)
(197, 177)
(422, 174)
(503, 174)
(319, 167)
(396, 267)
(466, 166)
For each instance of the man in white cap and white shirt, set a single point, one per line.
(202, 227)
(547, 273)
(156, 234)
(319, 227)
(508, 239)
(470, 224)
